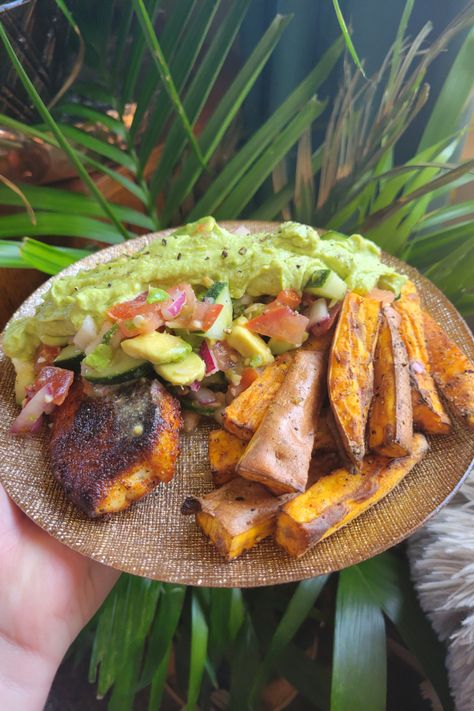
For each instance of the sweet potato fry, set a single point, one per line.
(351, 371)
(429, 414)
(225, 450)
(324, 437)
(237, 516)
(244, 414)
(391, 415)
(452, 370)
(336, 499)
(279, 453)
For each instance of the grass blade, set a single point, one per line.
(102, 148)
(398, 44)
(181, 66)
(224, 114)
(22, 199)
(56, 131)
(310, 678)
(226, 181)
(388, 579)
(93, 116)
(199, 90)
(359, 658)
(49, 223)
(10, 256)
(347, 37)
(233, 206)
(159, 681)
(453, 97)
(163, 69)
(57, 200)
(304, 188)
(163, 629)
(47, 258)
(199, 636)
(298, 608)
(245, 659)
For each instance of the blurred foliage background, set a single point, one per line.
(173, 109)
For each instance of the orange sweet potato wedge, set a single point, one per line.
(452, 370)
(351, 371)
(244, 414)
(391, 415)
(429, 414)
(336, 499)
(225, 450)
(279, 453)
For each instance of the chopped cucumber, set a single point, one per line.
(327, 283)
(220, 294)
(120, 369)
(183, 372)
(156, 347)
(70, 358)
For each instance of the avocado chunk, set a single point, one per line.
(156, 347)
(183, 372)
(249, 344)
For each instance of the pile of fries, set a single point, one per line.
(327, 431)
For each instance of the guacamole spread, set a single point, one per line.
(198, 253)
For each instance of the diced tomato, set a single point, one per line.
(212, 312)
(288, 297)
(201, 319)
(136, 316)
(282, 323)
(58, 380)
(45, 355)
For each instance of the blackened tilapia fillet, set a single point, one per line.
(111, 450)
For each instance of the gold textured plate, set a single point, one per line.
(153, 539)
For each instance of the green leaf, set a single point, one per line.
(199, 636)
(347, 37)
(66, 201)
(61, 140)
(236, 168)
(272, 207)
(310, 678)
(163, 69)
(163, 629)
(298, 608)
(14, 192)
(245, 659)
(159, 681)
(102, 148)
(398, 44)
(453, 97)
(388, 579)
(50, 223)
(47, 258)
(92, 116)
(304, 189)
(446, 214)
(233, 206)
(236, 613)
(199, 90)
(10, 256)
(224, 114)
(359, 675)
(181, 66)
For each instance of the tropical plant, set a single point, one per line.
(177, 152)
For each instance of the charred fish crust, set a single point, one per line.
(119, 445)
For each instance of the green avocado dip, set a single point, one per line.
(254, 264)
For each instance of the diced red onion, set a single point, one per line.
(241, 230)
(318, 313)
(40, 403)
(205, 396)
(86, 335)
(195, 386)
(208, 358)
(170, 311)
(417, 367)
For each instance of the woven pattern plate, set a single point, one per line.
(153, 539)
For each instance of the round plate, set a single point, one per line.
(153, 539)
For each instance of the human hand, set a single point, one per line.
(47, 594)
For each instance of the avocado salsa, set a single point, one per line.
(199, 302)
